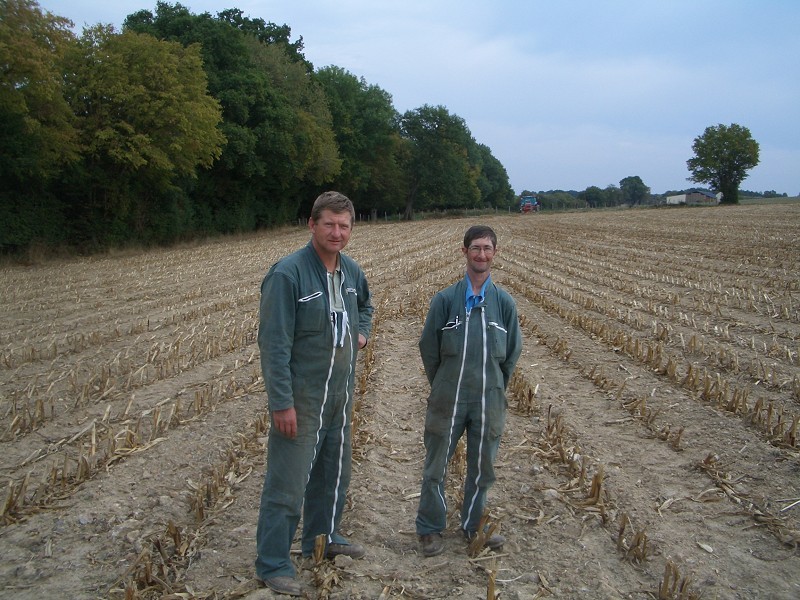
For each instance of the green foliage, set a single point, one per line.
(723, 156)
(266, 33)
(493, 180)
(145, 121)
(185, 124)
(593, 196)
(764, 194)
(559, 200)
(440, 173)
(278, 126)
(633, 190)
(365, 126)
(598, 198)
(143, 105)
(38, 137)
(308, 143)
(36, 124)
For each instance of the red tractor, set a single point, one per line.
(528, 204)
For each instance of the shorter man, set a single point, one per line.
(470, 344)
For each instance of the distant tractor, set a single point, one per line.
(528, 204)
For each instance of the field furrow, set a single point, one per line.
(650, 449)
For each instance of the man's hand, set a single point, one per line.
(285, 421)
(362, 341)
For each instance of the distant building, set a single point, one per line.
(695, 198)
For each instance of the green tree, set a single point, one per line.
(439, 169)
(492, 181)
(38, 135)
(613, 195)
(722, 157)
(146, 120)
(633, 189)
(266, 33)
(560, 199)
(309, 143)
(276, 121)
(593, 196)
(367, 135)
(37, 128)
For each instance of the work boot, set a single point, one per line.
(494, 542)
(354, 551)
(284, 585)
(432, 544)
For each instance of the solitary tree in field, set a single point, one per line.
(722, 157)
(633, 189)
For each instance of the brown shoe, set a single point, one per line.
(432, 544)
(493, 542)
(284, 585)
(354, 551)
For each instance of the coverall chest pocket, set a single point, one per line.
(312, 313)
(351, 300)
(498, 337)
(451, 338)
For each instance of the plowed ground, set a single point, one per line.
(650, 451)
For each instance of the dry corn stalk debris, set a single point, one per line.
(686, 327)
(730, 397)
(727, 484)
(486, 528)
(326, 575)
(675, 587)
(206, 499)
(87, 452)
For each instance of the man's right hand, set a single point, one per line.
(285, 421)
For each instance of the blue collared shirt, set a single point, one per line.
(472, 300)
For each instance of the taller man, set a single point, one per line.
(316, 313)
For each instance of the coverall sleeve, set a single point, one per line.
(365, 308)
(276, 337)
(513, 342)
(430, 340)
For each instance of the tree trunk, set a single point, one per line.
(408, 215)
(730, 193)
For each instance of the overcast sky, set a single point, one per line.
(566, 94)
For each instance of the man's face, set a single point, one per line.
(479, 254)
(331, 232)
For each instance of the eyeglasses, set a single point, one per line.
(488, 250)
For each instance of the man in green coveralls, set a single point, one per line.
(469, 345)
(315, 315)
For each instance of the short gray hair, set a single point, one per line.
(333, 201)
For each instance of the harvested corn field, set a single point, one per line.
(651, 449)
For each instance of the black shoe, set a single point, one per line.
(432, 544)
(354, 551)
(493, 542)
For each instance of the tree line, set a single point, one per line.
(631, 191)
(184, 125)
(723, 154)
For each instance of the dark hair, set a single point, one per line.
(479, 231)
(333, 201)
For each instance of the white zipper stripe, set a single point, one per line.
(340, 462)
(455, 405)
(465, 518)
